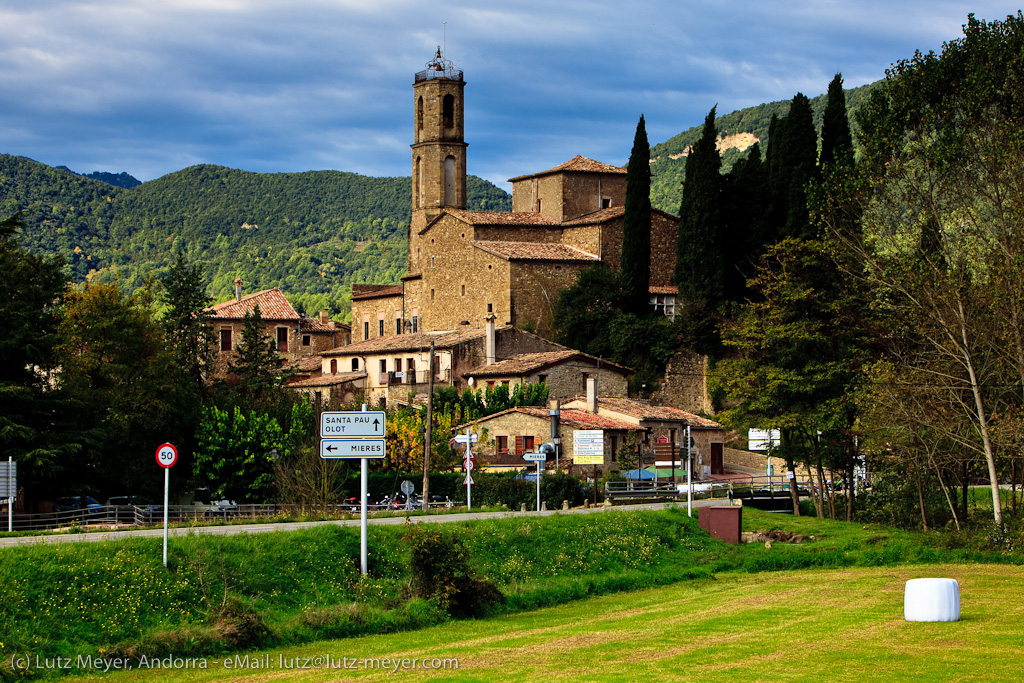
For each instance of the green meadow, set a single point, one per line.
(637, 589)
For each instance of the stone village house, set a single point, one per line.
(296, 336)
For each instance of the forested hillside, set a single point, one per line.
(313, 234)
(667, 172)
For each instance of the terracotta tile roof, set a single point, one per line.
(578, 164)
(535, 251)
(326, 380)
(379, 292)
(667, 289)
(272, 302)
(501, 218)
(304, 364)
(314, 325)
(575, 419)
(599, 216)
(444, 339)
(643, 411)
(525, 363)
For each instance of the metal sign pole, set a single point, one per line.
(167, 497)
(538, 485)
(689, 474)
(11, 490)
(363, 489)
(469, 472)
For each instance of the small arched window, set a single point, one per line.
(449, 181)
(448, 111)
(355, 364)
(419, 117)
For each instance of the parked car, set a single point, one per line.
(85, 506)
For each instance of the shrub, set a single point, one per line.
(441, 572)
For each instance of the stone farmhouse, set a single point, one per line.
(466, 265)
(296, 336)
(391, 368)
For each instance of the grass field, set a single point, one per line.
(823, 625)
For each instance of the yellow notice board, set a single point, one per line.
(588, 447)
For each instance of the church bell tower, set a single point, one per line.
(439, 148)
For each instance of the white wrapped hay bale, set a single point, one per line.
(931, 600)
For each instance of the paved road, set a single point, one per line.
(231, 529)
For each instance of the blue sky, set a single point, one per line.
(152, 86)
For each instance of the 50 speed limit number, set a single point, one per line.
(166, 455)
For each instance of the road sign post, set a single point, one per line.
(355, 434)
(469, 439)
(10, 486)
(166, 456)
(408, 488)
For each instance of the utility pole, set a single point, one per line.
(428, 436)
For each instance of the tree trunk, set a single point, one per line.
(920, 495)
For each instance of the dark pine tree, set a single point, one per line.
(744, 230)
(792, 164)
(186, 321)
(836, 138)
(699, 264)
(257, 363)
(636, 223)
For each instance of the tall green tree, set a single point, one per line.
(700, 267)
(186, 319)
(31, 410)
(942, 241)
(636, 224)
(792, 157)
(116, 366)
(836, 138)
(744, 231)
(797, 354)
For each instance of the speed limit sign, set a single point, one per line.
(166, 455)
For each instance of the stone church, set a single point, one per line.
(466, 266)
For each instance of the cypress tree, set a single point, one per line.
(836, 138)
(792, 164)
(744, 229)
(636, 223)
(699, 256)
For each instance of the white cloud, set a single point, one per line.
(275, 86)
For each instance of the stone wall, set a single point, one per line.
(459, 280)
(685, 384)
(372, 310)
(534, 291)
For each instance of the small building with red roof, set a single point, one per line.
(295, 336)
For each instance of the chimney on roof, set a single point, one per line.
(592, 393)
(238, 289)
(324, 317)
(489, 341)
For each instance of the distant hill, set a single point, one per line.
(740, 129)
(121, 179)
(313, 234)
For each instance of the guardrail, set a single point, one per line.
(739, 487)
(114, 516)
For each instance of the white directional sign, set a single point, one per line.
(535, 457)
(352, 448)
(466, 438)
(588, 447)
(352, 425)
